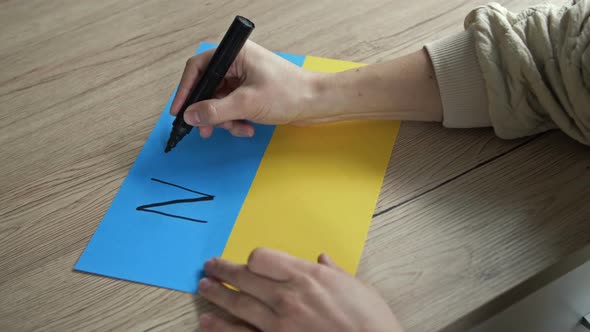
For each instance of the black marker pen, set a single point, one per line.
(222, 59)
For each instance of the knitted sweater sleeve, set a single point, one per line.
(521, 73)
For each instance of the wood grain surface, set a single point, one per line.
(462, 217)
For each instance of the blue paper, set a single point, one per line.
(160, 250)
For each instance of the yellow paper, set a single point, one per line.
(316, 187)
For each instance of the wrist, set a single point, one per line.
(349, 95)
(314, 98)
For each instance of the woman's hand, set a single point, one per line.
(260, 86)
(281, 293)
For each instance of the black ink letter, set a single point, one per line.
(148, 207)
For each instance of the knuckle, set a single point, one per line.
(226, 272)
(190, 61)
(239, 301)
(287, 302)
(249, 98)
(233, 274)
(214, 264)
(246, 98)
(220, 268)
(304, 281)
(208, 114)
(317, 272)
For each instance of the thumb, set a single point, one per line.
(213, 112)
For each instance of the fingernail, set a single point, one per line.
(204, 284)
(192, 118)
(205, 320)
(245, 132)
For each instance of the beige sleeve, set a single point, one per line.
(533, 70)
(460, 81)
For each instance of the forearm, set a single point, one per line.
(402, 89)
(522, 74)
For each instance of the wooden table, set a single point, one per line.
(462, 218)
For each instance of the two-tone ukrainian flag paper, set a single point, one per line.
(303, 190)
